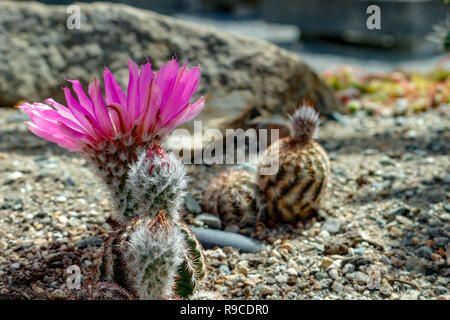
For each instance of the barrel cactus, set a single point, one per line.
(234, 197)
(297, 189)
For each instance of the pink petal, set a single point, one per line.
(145, 83)
(184, 88)
(148, 118)
(83, 117)
(165, 79)
(133, 91)
(100, 111)
(62, 141)
(64, 111)
(189, 112)
(69, 132)
(84, 100)
(118, 115)
(113, 91)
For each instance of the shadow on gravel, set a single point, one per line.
(436, 145)
(421, 195)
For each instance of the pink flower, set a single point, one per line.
(152, 106)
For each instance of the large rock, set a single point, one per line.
(242, 78)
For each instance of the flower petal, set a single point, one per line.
(84, 100)
(145, 84)
(133, 91)
(113, 91)
(100, 110)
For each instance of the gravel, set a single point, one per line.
(383, 232)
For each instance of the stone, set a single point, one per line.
(61, 199)
(395, 232)
(292, 272)
(334, 274)
(14, 176)
(218, 254)
(243, 270)
(241, 77)
(14, 266)
(63, 220)
(210, 220)
(386, 290)
(332, 225)
(401, 106)
(410, 295)
(424, 252)
(326, 262)
(387, 161)
(358, 276)
(91, 241)
(69, 182)
(192, 204)
(224, 269)
(338, 287)
(52, 257)
(440, 241)
(446, 206)
(287, 246)
(417, 265)
(281, 278)
(440, 290)
(266, 290)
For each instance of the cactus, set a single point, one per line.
(193, 267)
(295, 192)
(154, 256)
(151, 254)
(110, 160)
(143, 257)
(234, 197)
(121, 262)
(155, 182)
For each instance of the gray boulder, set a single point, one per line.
(242, 78)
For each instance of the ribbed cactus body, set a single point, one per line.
(152, 254)
(143, 257)
(193, 267)
(296, 191)
(156, 181)
(234, 197)
(151, 263)
(111, 160)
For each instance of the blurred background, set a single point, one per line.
(325, 32)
